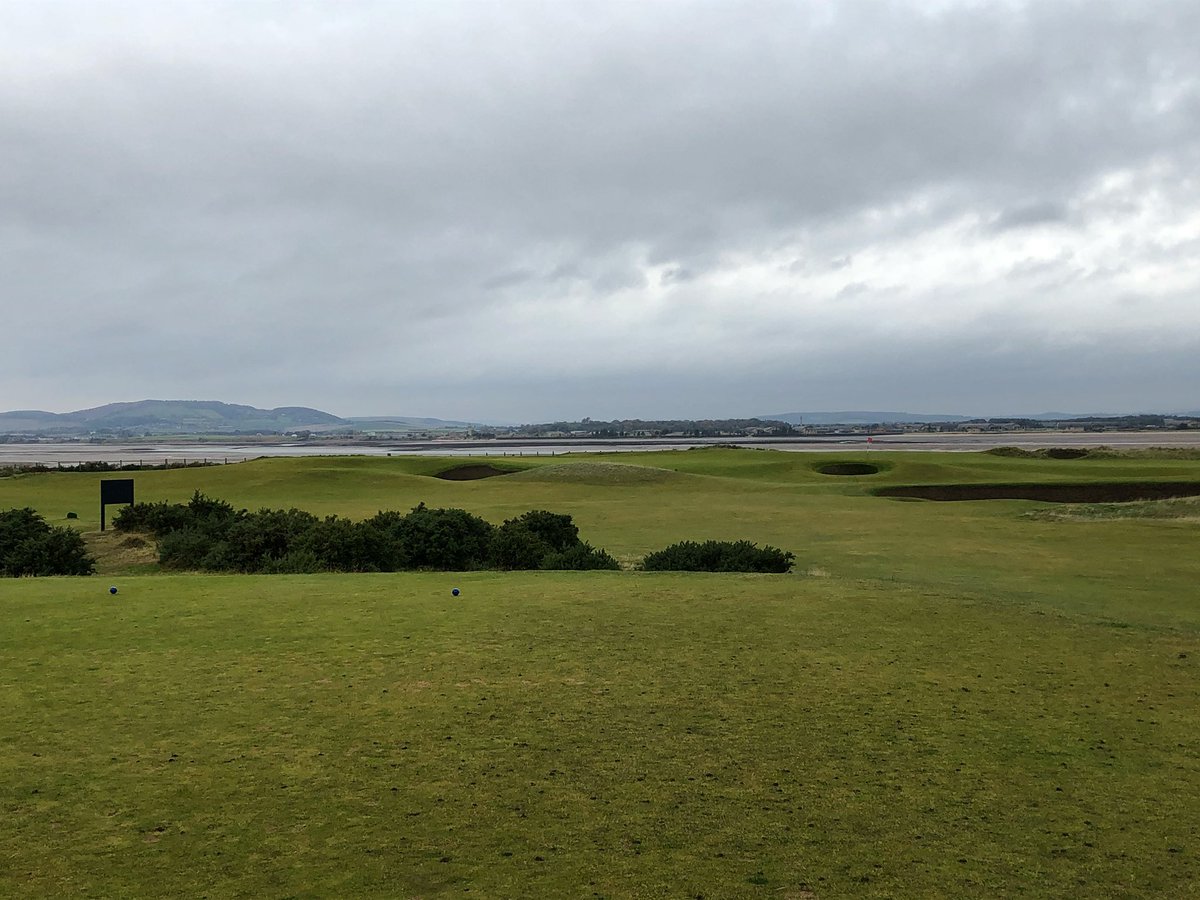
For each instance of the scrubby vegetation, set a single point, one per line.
(1178, 508)
(102, 466)
(719, 556)
(208, 534)
(30, 546)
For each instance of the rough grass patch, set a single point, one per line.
(1175, 508)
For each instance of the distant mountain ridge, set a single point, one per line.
(167, 416)
(180, 417)
(202, 417)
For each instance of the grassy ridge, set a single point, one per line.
(358, 486)
(947, 699)
(1133, 572)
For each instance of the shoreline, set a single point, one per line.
(158, 452)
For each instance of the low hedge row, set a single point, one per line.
(208, 534)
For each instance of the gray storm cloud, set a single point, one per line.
(525, 211)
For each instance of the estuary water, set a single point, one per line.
(158, 453)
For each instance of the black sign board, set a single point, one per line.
(114, 490)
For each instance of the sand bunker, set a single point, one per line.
(1083, 492)
(471, 473)
(848, 468)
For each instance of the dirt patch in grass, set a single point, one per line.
(471, 473)
(848, 468)
(1083, 492)
(118, 552)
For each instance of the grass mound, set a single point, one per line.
(848, 468)
(597, 473)
(1079, 492)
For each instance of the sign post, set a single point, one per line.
(114, 490)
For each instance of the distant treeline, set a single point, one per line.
(658, 427)
(101, 466)
(1133, 423)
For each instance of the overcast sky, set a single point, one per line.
(528, 211)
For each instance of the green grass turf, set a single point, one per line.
(947, 699)
(564, 735)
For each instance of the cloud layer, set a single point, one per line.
(526, 211)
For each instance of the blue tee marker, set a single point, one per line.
(455, 592)
(113, 589)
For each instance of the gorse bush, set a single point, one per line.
(443, 539)
(515, 546)
(30, 546)
(719, 556)
(580, 557)
(556, 530)
(208, 534)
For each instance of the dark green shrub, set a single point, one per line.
(210, 514)
(582, 556)
(295, 562)
(161, 518)
(340, 545)
(447, 539)
(556, 530)
(157, 518)
(253, 540)
(63, 552)
(187, 548)
(514, 546)
(386, 527)
(29, 546)
(526, 541)
(209, 534)
(719, 556)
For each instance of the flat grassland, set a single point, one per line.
(992, 698)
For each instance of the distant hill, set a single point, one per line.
(166, 417)
(202, 417)
(858, 417)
